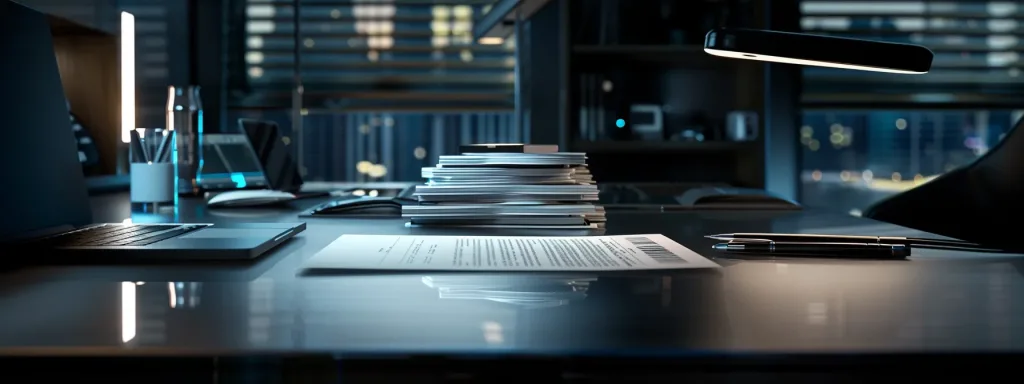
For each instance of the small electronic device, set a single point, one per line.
(360, 203)
(646, 121)
(362, 206)
(249, 198)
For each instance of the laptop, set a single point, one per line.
(276, 166)
(44, 198)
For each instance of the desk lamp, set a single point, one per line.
(817, 50)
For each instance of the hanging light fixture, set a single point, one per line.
(818, 50)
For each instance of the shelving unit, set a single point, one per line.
(689, 84)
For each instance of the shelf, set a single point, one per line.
(690, 56)
(604, 147)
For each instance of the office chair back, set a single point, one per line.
(982, 202)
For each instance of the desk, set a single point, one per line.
(937, 302)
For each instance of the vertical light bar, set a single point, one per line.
(127, 75)
(172, 294)
(128, 311)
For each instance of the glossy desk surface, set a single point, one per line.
(937, 301)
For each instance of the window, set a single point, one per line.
(382, 87)
(869, 135)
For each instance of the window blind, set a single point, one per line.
(397, 55)
(977, 45)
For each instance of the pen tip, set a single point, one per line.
(720, 247)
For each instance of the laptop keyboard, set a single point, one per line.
(114, 235)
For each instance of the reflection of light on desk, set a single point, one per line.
(179, 292)
(127, 311)
(493, 333)
(172, 295)
(193, 294)
(261, 307)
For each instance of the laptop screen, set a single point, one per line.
(43, 185)
(229, 163)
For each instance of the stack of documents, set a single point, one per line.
(508, 189)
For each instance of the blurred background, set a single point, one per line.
(375, 90)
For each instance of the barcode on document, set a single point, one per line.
(654, 250)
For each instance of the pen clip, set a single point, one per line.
(748, 241)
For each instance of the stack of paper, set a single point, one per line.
(508, 189)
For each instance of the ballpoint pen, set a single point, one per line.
(813, 238)
(819, 249)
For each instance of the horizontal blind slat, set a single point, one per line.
(352, 52)
(978, 46)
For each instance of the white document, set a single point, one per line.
(507, 253)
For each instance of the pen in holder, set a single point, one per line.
(152, 172)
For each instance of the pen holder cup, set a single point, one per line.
(152, 182)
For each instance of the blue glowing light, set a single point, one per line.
(620, 123)
(239, 179)
(199, 149)
(174, 160)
